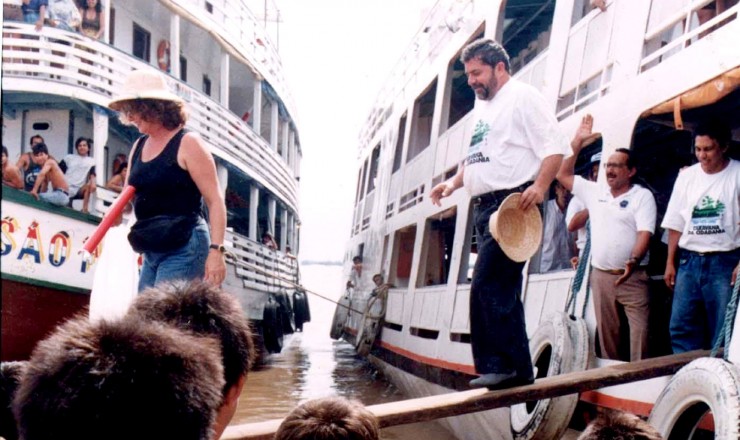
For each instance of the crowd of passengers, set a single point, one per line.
(60, 182)
(702, 235)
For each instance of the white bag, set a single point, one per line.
(116, 279)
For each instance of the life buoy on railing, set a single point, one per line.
(163, 55)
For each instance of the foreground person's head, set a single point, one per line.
(612, 425)
(329, 418)
(206, 311)
(125, 379)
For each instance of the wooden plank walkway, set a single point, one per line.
(445, 405)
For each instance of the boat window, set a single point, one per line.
(403, 253)
(525, 31)
(398, 154)
(206, 85)
(363, 179)
(421, 122)
(374, 163)
(439, 235)
(183, 69)
(142, 41)
(237, 197)
(359, 184)
(581, 8)
(461, 96)
(676, 24)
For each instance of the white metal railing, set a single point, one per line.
(533, 73)
(444, 17)
(259, 267)
(234, 20)
(659, 45)
(86, 68)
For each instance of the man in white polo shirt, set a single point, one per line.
(622, 220)
(703, 223)
(516, 146)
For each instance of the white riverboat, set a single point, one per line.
(647, 71)
(218, 56)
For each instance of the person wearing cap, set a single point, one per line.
(172, 172)
(703, 223)
(516, 146)
(622, 219)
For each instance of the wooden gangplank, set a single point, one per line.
(452, 404)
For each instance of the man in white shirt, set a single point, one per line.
(79, 171)
(622, 221)
(703, 223)
(516, 146)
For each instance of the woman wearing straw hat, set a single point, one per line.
(173, 173)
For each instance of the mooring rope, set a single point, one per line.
(231, 256)
(580, 275)
(725, 335)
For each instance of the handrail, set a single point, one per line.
(438, 406)
(30, 57)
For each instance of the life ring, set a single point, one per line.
(341, 313)
(371, 321)
(705, 384)
(163, 55)
(272, 327)
(559, 345)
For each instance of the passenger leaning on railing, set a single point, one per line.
(34, 12)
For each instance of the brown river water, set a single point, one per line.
(312, 365)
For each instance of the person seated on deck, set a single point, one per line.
(208, 311)
(120, 380)
(11, 174)
(117, 182)
(79, 170)
(50, 173)
(10, 377)
(329, 418)
(268, 241)
(611, 425)
(27, 166)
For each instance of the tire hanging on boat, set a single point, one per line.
(272, 327)
(301, 310)
(285, 309)
(341, 313)
(560, 345)
(705, 384)
(372, 320)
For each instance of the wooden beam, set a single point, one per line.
(446, 405)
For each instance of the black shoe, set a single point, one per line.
(499, 381)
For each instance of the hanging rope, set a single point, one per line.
(570, 307)
(233, 259)
(725, 335)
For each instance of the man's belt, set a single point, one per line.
(710, 253)
(619, 271)
(498, 196)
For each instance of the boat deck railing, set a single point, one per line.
(70, 64)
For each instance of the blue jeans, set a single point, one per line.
(185, 263)
(700, 298)
(55, 197)
(498, 334)
(31, 17)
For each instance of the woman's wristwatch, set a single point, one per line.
(219, 247)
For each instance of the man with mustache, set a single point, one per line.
(516, 146)
(622, 219)
(703, 224)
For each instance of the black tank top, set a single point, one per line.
(162, 187)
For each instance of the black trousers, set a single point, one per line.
(497, 328)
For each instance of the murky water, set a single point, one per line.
(312, 365)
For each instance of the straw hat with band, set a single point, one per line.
(144, 84)
(518, 232)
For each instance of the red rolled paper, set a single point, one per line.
(115, 210)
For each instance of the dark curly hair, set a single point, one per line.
(170, 114)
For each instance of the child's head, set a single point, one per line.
(329, 418)
(618, 425)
